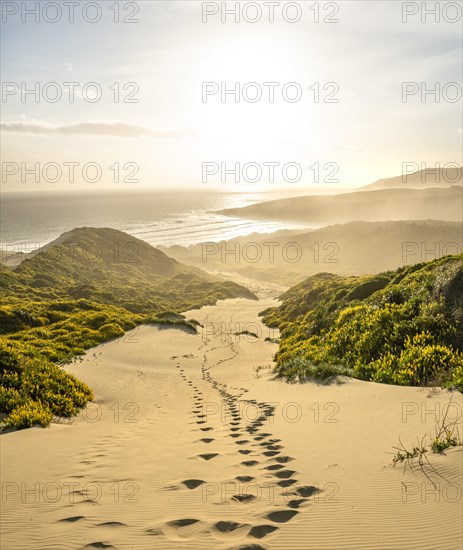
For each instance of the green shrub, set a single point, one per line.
(403, 327)
(25, 381)
(456, 378)
(298, 368)
(10, 398)
(445, 440)
(29, 414)
(110, 331)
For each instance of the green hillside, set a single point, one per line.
(87, 287)
(401, 327)
(114, 268)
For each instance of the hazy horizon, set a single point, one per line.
(153, 114)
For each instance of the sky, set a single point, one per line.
(350, 126)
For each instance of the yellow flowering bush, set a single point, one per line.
(29, 414)
(400, 327)
(36, 389)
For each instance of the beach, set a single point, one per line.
(231, 276)
(191, 443)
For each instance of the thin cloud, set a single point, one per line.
(96, 128)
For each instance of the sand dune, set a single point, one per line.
(188, 446)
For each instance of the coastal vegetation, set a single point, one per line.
(87, 287)
(400, 327)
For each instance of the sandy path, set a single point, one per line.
(187, 447)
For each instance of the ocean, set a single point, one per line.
(160, 218)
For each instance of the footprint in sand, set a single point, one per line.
(261, 531)
(72, 519)
(272, 447)
(243, 498)
(307, 490)
(188, 483)
(286, 482)
(248, 547)
(229, 527)
(284, 474)
(183, 522)
(208, 456)
(296, 503)
(244, 479)
(192, 483)
(180, 529)
(281, 516)
(250, 463)
(283, 459)
(98, 544)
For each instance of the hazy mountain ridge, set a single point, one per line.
(374, 205)
(430, 177)
(354, 248)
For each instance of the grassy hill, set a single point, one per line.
(346, 249)
(112, 267)
(88, 286)
(401, 327)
